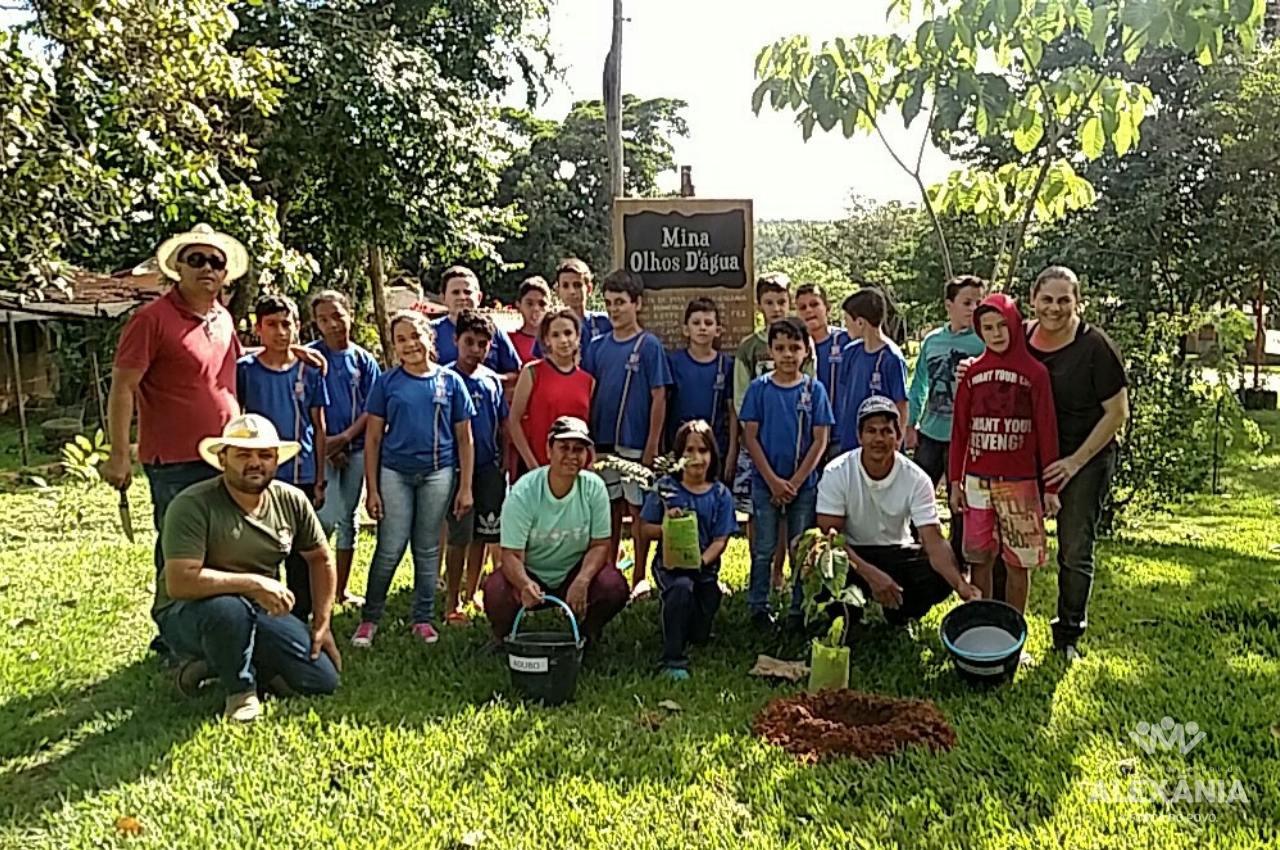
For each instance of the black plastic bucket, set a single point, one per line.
(544, 665)
(985, 639)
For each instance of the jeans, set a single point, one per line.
(243, 644)
(414, 506)
(606, 598)
(167, 481)
(342, 500)
(690, 601)
(933, 456)
(1082, 501)
(801, 516)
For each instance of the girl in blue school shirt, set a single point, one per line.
(350, 379)
(419, 429)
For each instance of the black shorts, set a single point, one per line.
(481, 523)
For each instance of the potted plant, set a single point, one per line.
(680, 548)
(829, 664)
(824, 566)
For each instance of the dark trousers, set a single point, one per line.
(690, 600)
(244, 646)
(1082, 501)
(909, 566)
(167, 480)
(933, 457)
(606, 597)
(297, 574)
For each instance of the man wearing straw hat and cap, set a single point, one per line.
(177, 356)
(219, 602)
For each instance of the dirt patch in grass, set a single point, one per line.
(847, 723)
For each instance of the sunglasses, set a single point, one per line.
(196, 260)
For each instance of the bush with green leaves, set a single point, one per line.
(1181, 426)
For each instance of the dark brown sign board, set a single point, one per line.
(685, 248)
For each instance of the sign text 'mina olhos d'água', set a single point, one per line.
(678, 251)
(689, 247)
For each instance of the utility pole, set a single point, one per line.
(613, 119)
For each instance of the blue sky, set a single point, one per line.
(703, 52)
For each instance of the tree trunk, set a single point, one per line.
(1260, 337)
(380, 304)
(613, 120)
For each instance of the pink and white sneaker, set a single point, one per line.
(363, 638)
(425, 632)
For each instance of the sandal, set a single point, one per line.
(457, 618)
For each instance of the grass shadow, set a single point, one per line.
(69, 743)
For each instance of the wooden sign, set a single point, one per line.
(686, 248)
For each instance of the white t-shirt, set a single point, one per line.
(877, 513)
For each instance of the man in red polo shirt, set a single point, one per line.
(177, 356)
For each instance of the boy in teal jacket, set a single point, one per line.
(932, 393)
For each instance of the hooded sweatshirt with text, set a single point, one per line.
(1004, 425)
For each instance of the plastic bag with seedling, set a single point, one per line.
(824, 570)
(680, 548)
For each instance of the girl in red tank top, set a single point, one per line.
(548, 389)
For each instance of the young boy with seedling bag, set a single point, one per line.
(629, 405)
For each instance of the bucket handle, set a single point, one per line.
(573, 621)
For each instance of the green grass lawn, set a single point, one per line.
(424, 747)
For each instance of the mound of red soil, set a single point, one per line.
(847, 723)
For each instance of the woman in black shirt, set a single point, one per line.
(1091, 395)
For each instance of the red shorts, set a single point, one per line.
(1005, 516)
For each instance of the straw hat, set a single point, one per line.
(203, 234)
(249, 431)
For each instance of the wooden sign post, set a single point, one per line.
(685, 248)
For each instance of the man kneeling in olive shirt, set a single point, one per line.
(219, 603)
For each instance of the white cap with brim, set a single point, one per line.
(203, 234)
(249, 431)
(877, 405)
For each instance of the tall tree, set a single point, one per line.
(991, 65)
(387, 135)
(129, 123)
(558, 176)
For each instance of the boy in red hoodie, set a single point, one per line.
(1003, 435)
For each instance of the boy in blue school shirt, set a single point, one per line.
(460, 289)
(702, 382)
(470, 533)
(274, 383)
(573, 287)
(786, 424)
(814, 309)
(629, 406)
(873, 364)
(352, 373)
